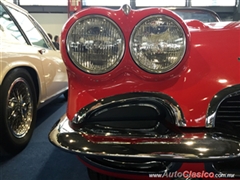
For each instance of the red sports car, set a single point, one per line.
(151, 95)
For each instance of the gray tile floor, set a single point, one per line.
(41, 160)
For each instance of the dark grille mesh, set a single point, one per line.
(229, 111)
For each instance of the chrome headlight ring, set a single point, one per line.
(95, 44)
(158, 43)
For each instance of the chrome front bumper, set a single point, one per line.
(188, 146)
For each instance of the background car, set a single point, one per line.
(32, 74)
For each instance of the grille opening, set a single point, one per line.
(229, 112)
(134, 117)
(136, 113)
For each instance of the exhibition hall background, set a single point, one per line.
(52, 14)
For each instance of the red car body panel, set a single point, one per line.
(210, 65)
(184, 83)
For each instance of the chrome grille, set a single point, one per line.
(229, 111)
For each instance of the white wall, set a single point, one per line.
(51, 22)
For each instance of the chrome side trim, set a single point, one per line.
(183, 147)
(217, 100)
(137, 98)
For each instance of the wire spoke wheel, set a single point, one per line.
(20, 108)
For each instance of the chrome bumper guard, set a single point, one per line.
(188, 146)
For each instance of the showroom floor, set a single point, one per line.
(41, 160)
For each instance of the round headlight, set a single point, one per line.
(158, 44)
(95, 44)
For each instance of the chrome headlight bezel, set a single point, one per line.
(85, 44)
(171, 47)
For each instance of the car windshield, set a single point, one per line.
(200, 15)
(186, 13)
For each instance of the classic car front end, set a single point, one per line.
(150, 93)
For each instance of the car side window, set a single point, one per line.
(9, 28)
(34, 36)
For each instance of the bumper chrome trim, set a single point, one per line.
(151, 99)
(184, 147)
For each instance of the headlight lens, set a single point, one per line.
(95, 44)
(158, 44)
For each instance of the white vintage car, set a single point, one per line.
(32, 73)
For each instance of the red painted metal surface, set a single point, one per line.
(209, 65)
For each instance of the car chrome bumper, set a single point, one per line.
(188, 146)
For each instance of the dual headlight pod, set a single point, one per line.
(96, 44)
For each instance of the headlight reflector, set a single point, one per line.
(95, 44)
(158, 44)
